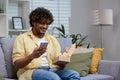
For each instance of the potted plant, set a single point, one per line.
(61, 30)
(78, 39)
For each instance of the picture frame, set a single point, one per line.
(17, 23)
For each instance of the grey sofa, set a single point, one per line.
(108, 70)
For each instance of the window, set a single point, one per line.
(61, 10)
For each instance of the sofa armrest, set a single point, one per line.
(110, 68)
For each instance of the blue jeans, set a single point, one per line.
(46, 73)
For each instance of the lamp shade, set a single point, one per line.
(102, 17)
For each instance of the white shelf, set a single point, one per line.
(20, 1)
(20, 8)
(3, 18)
(2, 14)
(24, 0)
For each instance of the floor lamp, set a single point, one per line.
(102, 18)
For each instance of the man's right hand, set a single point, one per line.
(38, 52)
(20, 63)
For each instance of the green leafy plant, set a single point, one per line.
(78, 39)
(1, 10)
(62, 31)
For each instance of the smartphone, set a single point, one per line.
(44, 44)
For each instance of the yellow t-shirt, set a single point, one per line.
(25, 44)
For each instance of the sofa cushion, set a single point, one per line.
(7, 45)
(3, 71)
(83, 50)
(97, 52)
(110, 67)
(80, 62)
(1, 78)
(97, 77)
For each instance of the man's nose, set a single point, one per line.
(45, 25)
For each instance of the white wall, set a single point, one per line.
(80, 23)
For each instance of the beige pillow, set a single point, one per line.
(80, 62)
(83, 50)
(97, 52)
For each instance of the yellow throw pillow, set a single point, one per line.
(97, 52)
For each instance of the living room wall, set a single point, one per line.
(80, 22)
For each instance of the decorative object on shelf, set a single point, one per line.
(17, 22)
(102, 18)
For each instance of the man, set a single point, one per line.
(34, 62)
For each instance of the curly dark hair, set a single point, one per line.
(41, 15)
